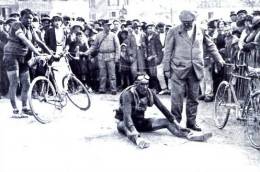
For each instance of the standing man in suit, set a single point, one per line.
(183, 63)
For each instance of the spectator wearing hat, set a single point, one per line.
(218, 72)
(153, 56)
(140, 43)
(8, 23)
(206, 84)
(125, 66)
(241, 14)
(160, 29)
(131, 48)
(167, 28)
(256, 54)
(4, 84)
(116, 27)
(67, 24)
(79, 65)
(56, 39)
(108, 47)
(45, 24)
(256, 13)
(80, 19)
(233, 18)
(183, 63)
(17, 53)
(15, 15)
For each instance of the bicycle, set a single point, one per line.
(249, 111)
(44, 91)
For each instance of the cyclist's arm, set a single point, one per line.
(19, 33)
(42, 44)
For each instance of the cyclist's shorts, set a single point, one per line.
(11, 63)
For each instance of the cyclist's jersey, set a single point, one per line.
(15, 46)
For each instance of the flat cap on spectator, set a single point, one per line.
(56, 17)
(211, 24)
(81, 19)
(150, 25)
(66, 18)
(77, 24)
(232, 13)
(45, 18)
(241, 11)
(129, 23)
(160, 24)
(187, 15)
(256, 13)
(135, 25)
(168, 26)
(14, 14)
(123, 21)
(10, 20)
(106, 22)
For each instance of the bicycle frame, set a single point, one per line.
(237, 105)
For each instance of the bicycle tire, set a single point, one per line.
(253, 121)
(221, 110)
(76, 92)
(43, 100)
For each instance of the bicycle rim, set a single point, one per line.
(43, 100)
(76, 92)
(222, 105)
(253, 121)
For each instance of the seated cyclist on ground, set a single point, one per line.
(134, 101)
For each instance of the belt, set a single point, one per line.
(106, 52)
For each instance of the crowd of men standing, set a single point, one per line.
(111, 53)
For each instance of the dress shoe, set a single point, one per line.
(194, 127)
(101, 92)
(208, 99)
(201, 97)
(113, 92)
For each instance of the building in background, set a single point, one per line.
(37, 6)
(7, 7)
(108, 9)
(148, 10)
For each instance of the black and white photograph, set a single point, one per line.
(129, 85)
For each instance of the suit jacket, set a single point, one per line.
(154, 48)
(183, 53)
(50, 39)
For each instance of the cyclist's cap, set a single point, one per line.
(142, 78)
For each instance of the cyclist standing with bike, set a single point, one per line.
(17, 52)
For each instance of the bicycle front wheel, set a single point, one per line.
(76, 92)
(253, 121)
(43, 100)
(222, 105)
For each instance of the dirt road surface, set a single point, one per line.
(88, 141)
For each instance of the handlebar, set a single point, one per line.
(50, 58)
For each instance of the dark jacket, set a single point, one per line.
(153, 48)
(50, 39)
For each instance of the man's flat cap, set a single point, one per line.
(187, 15)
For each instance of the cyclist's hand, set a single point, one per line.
(222, 62)
(167, 74)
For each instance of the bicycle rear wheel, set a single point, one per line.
(76, 92)
(43, 100)
(222, 105)
(253, 121)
